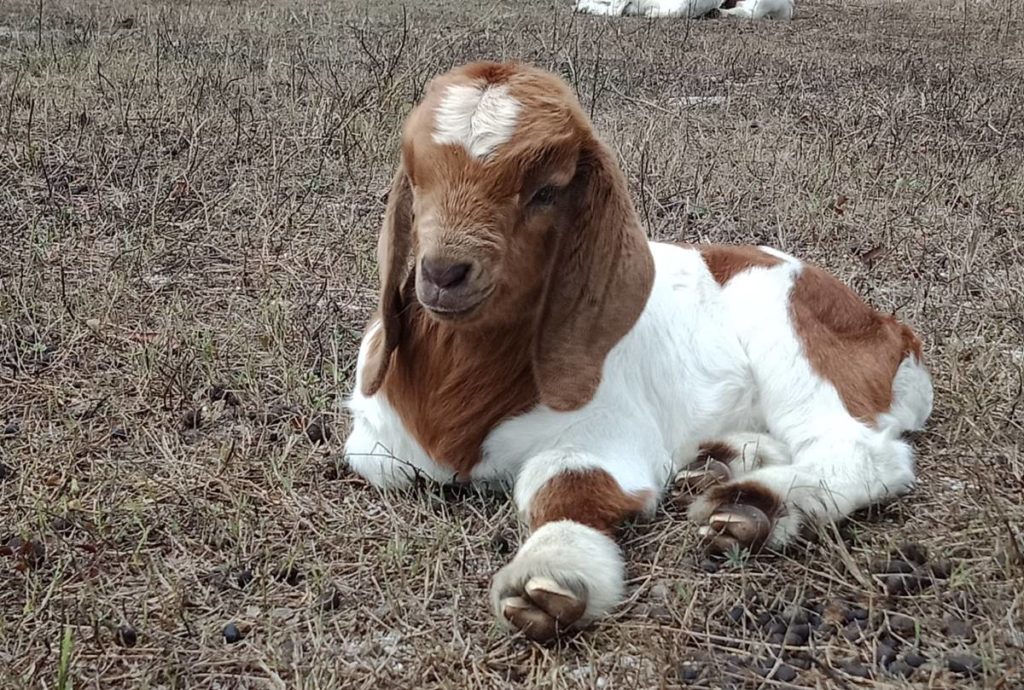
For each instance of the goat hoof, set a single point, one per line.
(544, 609)
(701, 475)
(737, 526)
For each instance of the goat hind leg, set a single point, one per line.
(827, 481)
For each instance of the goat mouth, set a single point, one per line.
(461, 310)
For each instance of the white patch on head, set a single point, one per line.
(478, 118)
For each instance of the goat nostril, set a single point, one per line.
(444, 274)
(455, 275)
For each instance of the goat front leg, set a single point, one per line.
(570, 571)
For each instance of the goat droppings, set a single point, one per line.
(232, 634)
(126, 635)
(192, 419)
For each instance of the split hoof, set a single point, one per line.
(699, 476)
(544, 609)
(737, 526)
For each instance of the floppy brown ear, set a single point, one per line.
(393, 249)
(597, 287)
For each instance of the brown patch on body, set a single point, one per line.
(589, 497)
(728, 4)
(848, 343)
(725, 262)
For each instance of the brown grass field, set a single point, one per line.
(189, 200)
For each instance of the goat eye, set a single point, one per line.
(543, 196)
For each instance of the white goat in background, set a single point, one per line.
(750, 9)
(758, 9)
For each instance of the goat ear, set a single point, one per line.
(597, 287)
(393, 249)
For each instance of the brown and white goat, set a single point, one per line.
(529, 334)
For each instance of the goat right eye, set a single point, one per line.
(543, 196)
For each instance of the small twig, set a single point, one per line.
(39, 25)
(64, 294)
(848, 562)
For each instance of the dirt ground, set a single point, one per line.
(189, 200)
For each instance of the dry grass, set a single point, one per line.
(189, 196)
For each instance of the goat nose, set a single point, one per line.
(443, 273)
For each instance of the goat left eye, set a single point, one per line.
(543, 196)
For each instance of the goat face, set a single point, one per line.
(515, 215)
(490, 156)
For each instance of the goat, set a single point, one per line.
(747, 9)
(648, 8)
(758, 9)
(528, 334)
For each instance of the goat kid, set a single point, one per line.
(748, 9)
(758, 9)
(539, 340)
(648, 8)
